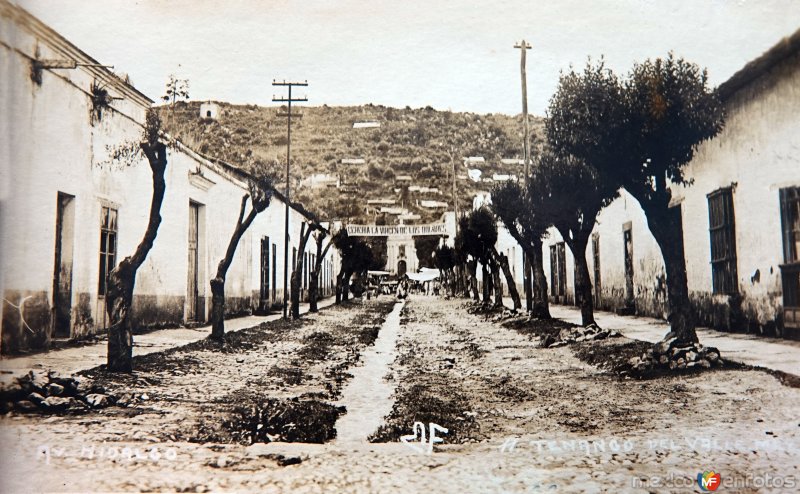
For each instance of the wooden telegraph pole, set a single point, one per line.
(288, 116)
(523, 48)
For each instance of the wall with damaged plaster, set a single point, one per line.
(59, 143)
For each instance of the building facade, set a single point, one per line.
(70, 211)
(741, 217)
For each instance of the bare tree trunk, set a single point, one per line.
(512, 287)
(313, 284)
(583, 284)
(497, 284)
(305, 233)
(346, 286)
(122, 279)
(339, 283)
(218, 282)
(527, 279)
(665, 224)
(541, 304)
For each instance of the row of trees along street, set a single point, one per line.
(603, 133)
(122, 279)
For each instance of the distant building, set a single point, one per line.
(512, 161)
(474, 160)
(366, 125)
(385, 202)
(497, 177)
(394, 210)
(474, 175)
(432, 204)
(353, 161)
(409, 217)
(403, 178)
(209, 110)
(321, 181)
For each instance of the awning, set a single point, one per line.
(424, 276)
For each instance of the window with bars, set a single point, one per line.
(790, 270)
(790, 220)
(722, 230)
(108, 246)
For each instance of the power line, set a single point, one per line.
(289, 100)
(527, 268)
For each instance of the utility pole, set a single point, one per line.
(288, 116)
(523, 48)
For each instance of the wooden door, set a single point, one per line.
(62, 272)
(596, 265)
(192, 312)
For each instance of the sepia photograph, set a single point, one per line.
(375, 246)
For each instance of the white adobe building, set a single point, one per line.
(68, 215)
(741, 217)
(209, 110)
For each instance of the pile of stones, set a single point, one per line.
(577, 334)
(50, 392)
(672, 354)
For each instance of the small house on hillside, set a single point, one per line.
(209, 110)
(366, 125)
(474, 161)
(353, 161)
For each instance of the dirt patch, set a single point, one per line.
(317, 346)
(291, 376)
(537, 328)
(420, 403)
(302, 419)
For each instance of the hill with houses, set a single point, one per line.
(362, 163)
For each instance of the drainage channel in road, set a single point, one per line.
(368, 396)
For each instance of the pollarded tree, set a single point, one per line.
(480, 237)
(463, 245)
(575, 195)
(121, 280)
(445, 260)
(260, 185)
(670, 111)
(521, 212)
(356, 257)
(640, 135)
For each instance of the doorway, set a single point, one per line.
(195, 308)
(62, 271)
(401, 268)
(596, 266)
(627, 236)
(264, 304)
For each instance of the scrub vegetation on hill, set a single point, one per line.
(414, 142)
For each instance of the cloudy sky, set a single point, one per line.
(454, 54)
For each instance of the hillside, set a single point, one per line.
(408, 142)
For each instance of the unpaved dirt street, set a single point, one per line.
(519, 418)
